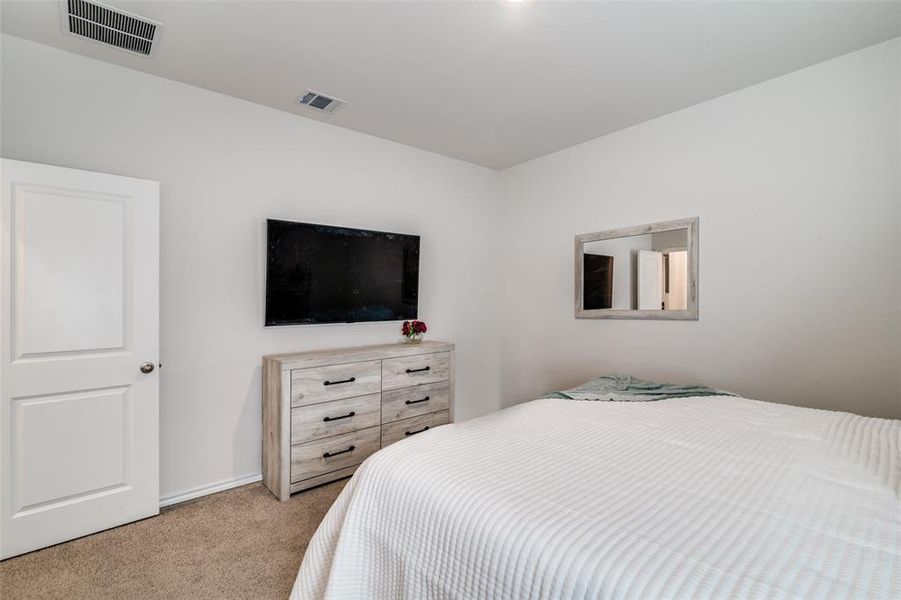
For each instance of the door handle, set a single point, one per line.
(147, 367)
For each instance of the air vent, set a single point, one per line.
(110, 26)
(320, 102)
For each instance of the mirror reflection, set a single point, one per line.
(639, 272)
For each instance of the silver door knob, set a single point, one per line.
(147, 367)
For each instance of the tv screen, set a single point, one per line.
(597, 281)
(324, 274)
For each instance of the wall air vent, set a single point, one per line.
(320, 102)
(110, 26)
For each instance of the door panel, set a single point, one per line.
(68, 282)
(80, 312)
(650, 280)
(62, 433)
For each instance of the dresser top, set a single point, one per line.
(315, 358)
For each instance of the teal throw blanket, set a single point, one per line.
(625, 388)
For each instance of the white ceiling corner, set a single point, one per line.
(492, 83)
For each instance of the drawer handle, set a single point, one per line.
(351, 380)
(409, 433)
(331, 454)
(418, 370)
(426, 399)
(347, 416)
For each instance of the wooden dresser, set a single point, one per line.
(324, 412)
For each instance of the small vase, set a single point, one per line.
(414, 339)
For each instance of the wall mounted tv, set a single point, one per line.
(324, 274)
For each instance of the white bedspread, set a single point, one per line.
(714, 497)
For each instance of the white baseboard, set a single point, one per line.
(209, 489)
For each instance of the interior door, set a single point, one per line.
(650, 280)
(79, 425)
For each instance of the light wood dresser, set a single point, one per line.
(324, 412)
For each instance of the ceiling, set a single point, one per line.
(492, 83)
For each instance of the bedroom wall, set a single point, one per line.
(225, 165)
(796, 183)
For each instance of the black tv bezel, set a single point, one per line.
(268, 323)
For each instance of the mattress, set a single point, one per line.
(706, 497)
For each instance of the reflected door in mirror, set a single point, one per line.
(650, 280)
(676, 268)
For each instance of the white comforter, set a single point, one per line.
(712, 497)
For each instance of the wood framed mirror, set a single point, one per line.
(642, 272)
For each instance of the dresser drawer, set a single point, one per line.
(333, 453)
(321, 384)
(413, 401)
(415, 370)
(325, 419)
(399, 430)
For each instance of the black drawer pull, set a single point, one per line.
(418, 370)
(408, 433)
(426, 399)
(331, 454)
(347, 416)
(351, 380)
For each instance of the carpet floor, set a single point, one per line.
(242, 543)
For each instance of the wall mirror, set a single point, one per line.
(643, 272)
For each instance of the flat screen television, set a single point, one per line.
(324, 274)
(597, 281)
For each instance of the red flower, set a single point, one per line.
(411, 328)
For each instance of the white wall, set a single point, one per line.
(796, 183)
(225, 165)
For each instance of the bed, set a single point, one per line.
(697, 497)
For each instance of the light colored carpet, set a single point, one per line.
(242, 543)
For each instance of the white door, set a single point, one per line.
(79, 425)
(650, 280)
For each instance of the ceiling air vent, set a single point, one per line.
(320, 102)
(110, 26)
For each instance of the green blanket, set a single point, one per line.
(625, 388)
